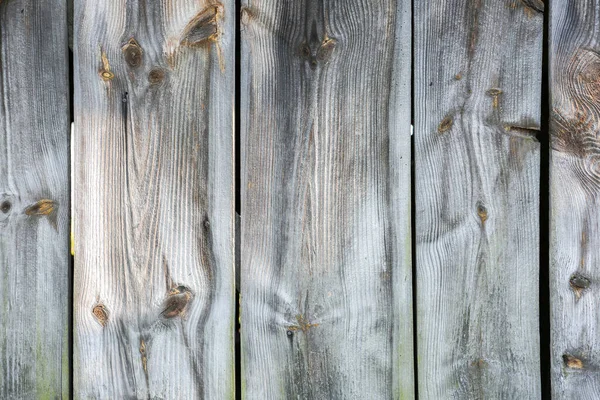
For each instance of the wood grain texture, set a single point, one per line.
(326, 265)
(34, 200)
(153, 206)
(477, 113)
(575, 199)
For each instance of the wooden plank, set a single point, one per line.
(574, 200)
(34, 200)
(325, 142)
(477, 161)
(153, 206)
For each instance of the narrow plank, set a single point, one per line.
(326, 275)
(153, 206)
(477, 160)
(34, 200)
(575, 197)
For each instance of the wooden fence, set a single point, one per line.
(456, 262)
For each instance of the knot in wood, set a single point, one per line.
(445, 125)
(156, 76)
(572, 362)
(100, 314)
(5, 206)
(132, 53)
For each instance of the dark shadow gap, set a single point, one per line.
(238, 203)
(544, 289)
(71, 258)
(413, 232)
(414, 263)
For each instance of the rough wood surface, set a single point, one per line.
(153, 206)
(34, 200)
(326, 267)
(575, 198)
(477, 113)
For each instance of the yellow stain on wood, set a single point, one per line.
(144, 357)
(583, 246)
(482, 213)
(42, 207)
(572, 362)
(105, 72)
(72, 243)
(303, 324)
(205, 29)
(495, 94)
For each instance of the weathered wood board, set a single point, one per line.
(325, 146)
(575, 198)
(477, 167)
(153, 206)
(34, 200)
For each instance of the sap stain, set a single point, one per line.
(204, 28)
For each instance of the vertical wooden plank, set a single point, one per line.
(154, 282)
(34, 200)
(326, 264)
(574, 198)
(477, 114)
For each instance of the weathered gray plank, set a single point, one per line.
(34, 200)
(326, 264)
(575, 199)
(153, 206)
(477, 113)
